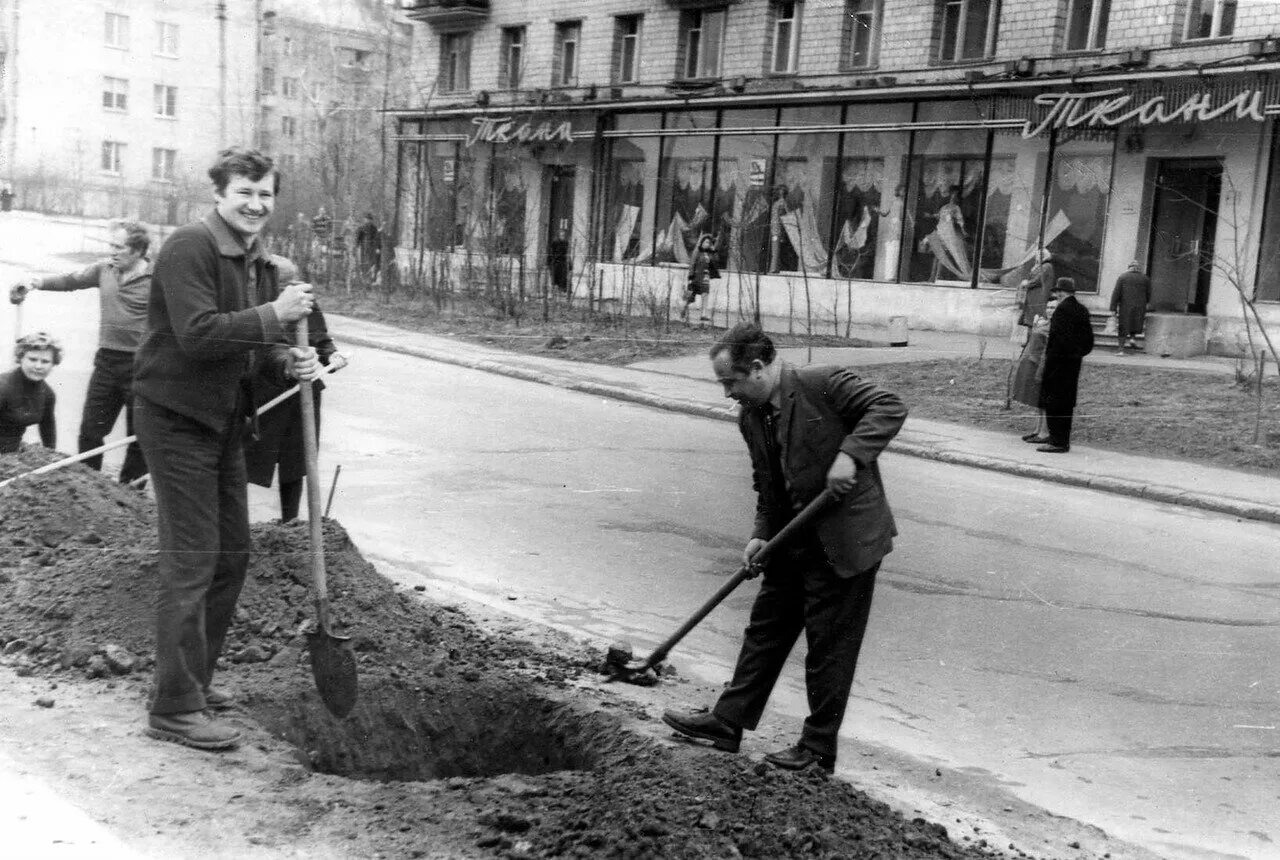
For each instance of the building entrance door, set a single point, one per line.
(1183, 223)
(559, 201)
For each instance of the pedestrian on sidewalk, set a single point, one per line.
(1070, 340)
(807, 429)
(278, 450)
(123, 282)
(1036, 289)
(25, 397)
(1029, 373)
(1129, 302)
(216, 319)
(702, 270)
(558, 261)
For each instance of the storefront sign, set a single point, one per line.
(1111, 108)
(493, 129)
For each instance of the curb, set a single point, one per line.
(1102, 483)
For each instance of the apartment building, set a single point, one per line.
(883, 158)
(115, 107)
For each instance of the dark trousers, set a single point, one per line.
(290, 499)
(1058, 392)
(202, 507)
(801, 592)
(110, 390)
(1058, 421)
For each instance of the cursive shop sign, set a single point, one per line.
(508, 129)
(1111, 108)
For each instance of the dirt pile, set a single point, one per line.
(466, 742)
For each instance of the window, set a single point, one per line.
(511, 61)
(967, 29)
(786, 38)
(268, 81)
(286, 46)
(289, 88)
(455, 62)
(166, 99)
(353, 57)
(166, 39)
(162, 161)
(568, 33)
(1211, 19)
(115, 94)
(701, 38)
(861, 34)
(117, 31)
(112, 156)
(1087, 24)
(288, 126)
(626, 48)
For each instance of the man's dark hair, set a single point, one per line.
(136, 236)
(242, 161)
(745, 343)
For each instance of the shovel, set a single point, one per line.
(619, 665)
(333, 662)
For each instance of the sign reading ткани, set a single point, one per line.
(1110, 108)
(493, 129)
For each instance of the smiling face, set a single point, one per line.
(36, 364)
(751, 388)
(246, 204)
(122, 256)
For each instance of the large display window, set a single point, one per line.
(802, 193)
(1079, 195)
(509, 200)
(742, 191)
(871, 195)
(685, 183)
(1015, 194)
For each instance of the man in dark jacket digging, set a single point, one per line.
(216, 317)
(807, 429)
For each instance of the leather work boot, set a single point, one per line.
(705, 726)
(193, 729)
(799, 757)
(218, 699)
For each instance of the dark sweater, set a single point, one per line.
(23, 403)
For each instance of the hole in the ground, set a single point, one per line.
(482, 729)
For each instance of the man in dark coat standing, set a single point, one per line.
(807, 429)
(1129, 302)
(1070, 340)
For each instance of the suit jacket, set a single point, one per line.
(826, 410)
(206, 336)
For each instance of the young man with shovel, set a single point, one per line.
(216, 318)
(807, 429)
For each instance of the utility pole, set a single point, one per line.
(221, 15)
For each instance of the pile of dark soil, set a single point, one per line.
(479, 743)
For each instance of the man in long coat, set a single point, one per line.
(1129, 302)
(1070, 340)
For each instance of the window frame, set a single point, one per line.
(455, 63)
(163, 28)
(564, 72)
(1095, 29)
(792, 27)
(112, 151)
(852, 11)
(963, 17)
(623, 38)
(167, 160)
(288, 126)
(1215, 25)
(693, 60)
(119, 96)
(290, 87)
(118, 36)
(165, 101)
(511, 60)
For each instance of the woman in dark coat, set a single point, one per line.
(278, 450)
(1129, 302)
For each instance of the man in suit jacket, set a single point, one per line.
(1070, 340)
(806, 429)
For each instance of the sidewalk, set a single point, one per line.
(685, 385)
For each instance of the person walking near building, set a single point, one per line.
(702, 269)
(369, 246)
(216, 317)
(1070, 340)
(123, 282)
(807, 429)
(1029, 373)
(25, 398)
(558, 261)
(1129, 301)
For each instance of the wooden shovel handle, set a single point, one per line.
(314, 520)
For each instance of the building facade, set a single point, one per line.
(858, 160)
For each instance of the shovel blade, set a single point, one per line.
(333, 665)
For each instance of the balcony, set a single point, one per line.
(451, 14)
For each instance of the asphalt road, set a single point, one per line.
(1107, 659)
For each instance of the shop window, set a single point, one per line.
(871, 196)
(1087, 24)
(568, 35)
(1268, 282)
(685, 179)
(455, 62)
(785, 47)
(701, 43)
(861, 38)
(802, 194)
(511, 60)
(510, 198)
(1077, 213)
(742, 191)
(626, 49)
(1211, 19)
(966, 29)
(115, 94)
(1015, 190)
(631, 190)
